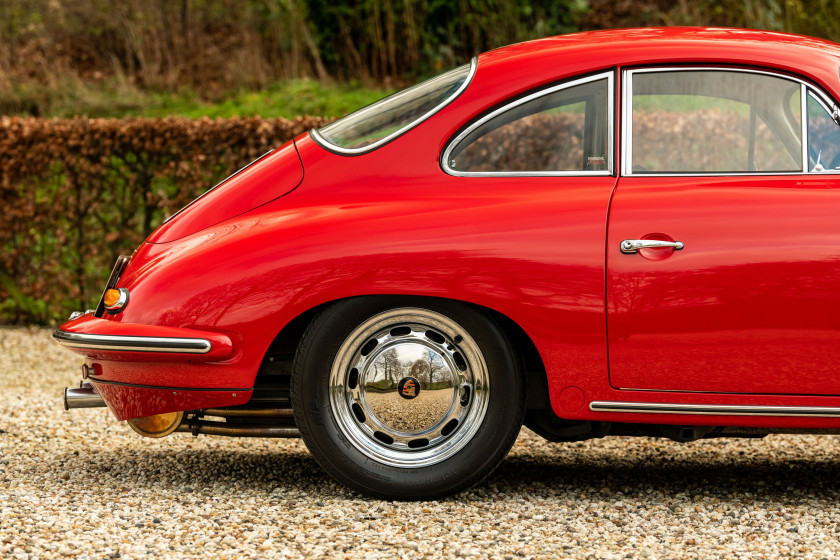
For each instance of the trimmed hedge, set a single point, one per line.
(75, 193)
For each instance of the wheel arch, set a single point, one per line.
(289, 337)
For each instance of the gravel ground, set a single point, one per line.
(80, 484)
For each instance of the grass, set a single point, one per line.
(285, 99)
(118, 98)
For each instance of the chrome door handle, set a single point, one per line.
(630, 246)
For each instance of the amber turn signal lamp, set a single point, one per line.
(115, 300)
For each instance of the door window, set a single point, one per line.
(713, 121)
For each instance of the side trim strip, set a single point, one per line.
(713, 409)
(134, 343)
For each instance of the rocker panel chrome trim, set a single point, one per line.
(713, 409)
(134, 343)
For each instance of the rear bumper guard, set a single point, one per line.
(134, 343)
(104, 339)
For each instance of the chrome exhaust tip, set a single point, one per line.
(83, 397)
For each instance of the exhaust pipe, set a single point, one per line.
(248, 411)
(245, 421)
(83, 397)
(211, 428)
(163, 424)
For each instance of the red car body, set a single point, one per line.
(740, 328)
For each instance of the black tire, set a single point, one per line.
(471, 366)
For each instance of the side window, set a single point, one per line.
(714, 121)
(823, 137)
(561, 130)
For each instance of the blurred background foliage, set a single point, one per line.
(74, 193)
(290, 57)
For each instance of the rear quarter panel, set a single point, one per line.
(392, 223)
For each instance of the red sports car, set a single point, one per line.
(630, 232)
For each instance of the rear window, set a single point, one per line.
(376, 124)
(564, 129)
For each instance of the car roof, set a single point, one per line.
(553, 58)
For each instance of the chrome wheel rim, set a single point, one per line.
(409, 388)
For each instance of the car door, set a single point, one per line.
(538, 170)
(723, 246)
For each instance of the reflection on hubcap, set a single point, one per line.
(409, 387)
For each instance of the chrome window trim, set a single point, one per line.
(610, 76)
(712, 409)
(821, 100)
(118, 343)
(627, 122)
(370, 147)
(803, 109)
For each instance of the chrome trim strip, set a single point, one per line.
(134, 343)
(600, 173)
(504, 108)
(803, 108)
(627, 121)
(712, 409)
(356, 151)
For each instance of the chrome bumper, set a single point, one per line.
(133, 343)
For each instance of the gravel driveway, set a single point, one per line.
(81, 484)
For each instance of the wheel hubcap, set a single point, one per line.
(409, 387)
